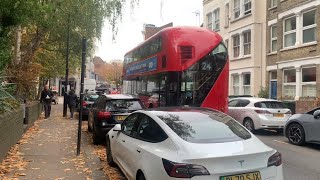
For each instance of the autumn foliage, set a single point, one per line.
(108, 71)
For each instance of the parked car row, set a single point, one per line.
(185, 142)
(260, 113)
(189, 143)
(108, 110)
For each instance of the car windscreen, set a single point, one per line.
(91, 97)
(201, 127)
(121, 104)
(270, 105)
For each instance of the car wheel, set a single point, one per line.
(248, 123)
(109, 154)
(141, 177)
(295, 134)
(96, 139)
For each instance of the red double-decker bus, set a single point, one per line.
(179, 66)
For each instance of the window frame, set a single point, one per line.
(246, 85)
(273, 3)
(289, 32)
(150, 119)
(288, 84)
(247, 43)
(227, 14)
(236, 46)
(226, 43)
(248, 11)
(210, 21)
(236, 9)
(272, 39)
(312, 83)
(233, 84)
(134, 124)
(216, 19)
(234, 100)
(308, 27)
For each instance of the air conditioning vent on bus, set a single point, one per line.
(186, 52)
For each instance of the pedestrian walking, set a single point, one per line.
(46, 99)
(72, 102)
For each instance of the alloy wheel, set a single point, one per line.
(249, 125)
(296, 134)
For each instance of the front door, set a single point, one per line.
(273, 89)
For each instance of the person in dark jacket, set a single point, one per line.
(72, 102)
(46, 99)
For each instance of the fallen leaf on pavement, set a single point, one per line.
(21, 174)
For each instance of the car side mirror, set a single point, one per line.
(316, 114)
(117, 127)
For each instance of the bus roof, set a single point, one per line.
(168, 30)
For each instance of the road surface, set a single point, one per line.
(300, 162)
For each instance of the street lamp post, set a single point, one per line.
(66, 82)
(83, 65)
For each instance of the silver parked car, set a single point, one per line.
(301, 128)
(259, 113)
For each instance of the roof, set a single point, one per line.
(166, 30)
(120, 96)
(254, 99)
(180, 109)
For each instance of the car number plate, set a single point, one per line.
(247, 176)
(120, 118)
(278, 115)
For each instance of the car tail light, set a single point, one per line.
(103, 115)
(181, 170)
(262, 111)
(275, 160)
(84, 103)
(289, 112)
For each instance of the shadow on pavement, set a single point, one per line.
(266, 132)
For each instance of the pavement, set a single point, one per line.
(50, 151)
(299, 162)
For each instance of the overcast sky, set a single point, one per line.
(180, 12)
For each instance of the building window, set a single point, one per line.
(216, 19)
(273, 3)
(227, 15)
(309, 27)
(289, 83)
(209, 21)
(247, 7)
(226, 43)
(290, 28)
(309, 82)
(247, 43)
(236, 45)
(246, 84)
(274, 38)
(236, 9)
(236, 81)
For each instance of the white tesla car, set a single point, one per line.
(189, 143)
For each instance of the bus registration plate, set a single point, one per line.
(247, 176)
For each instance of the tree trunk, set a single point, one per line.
(17, 58)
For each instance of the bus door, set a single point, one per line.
(173, 89)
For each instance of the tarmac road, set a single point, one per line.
(300, 162)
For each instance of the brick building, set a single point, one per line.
(293, 49)
(242, 25)
(150, 29)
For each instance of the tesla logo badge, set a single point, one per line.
(241, 162)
